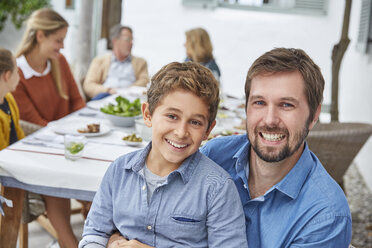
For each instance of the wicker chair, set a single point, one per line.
(337, 144)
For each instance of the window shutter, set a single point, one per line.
(364, 26)
(316, 6)
(201, 3)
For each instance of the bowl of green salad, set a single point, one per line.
(123, 113)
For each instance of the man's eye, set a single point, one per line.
(287, 105)
(259, 103)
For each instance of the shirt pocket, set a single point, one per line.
(187, 222)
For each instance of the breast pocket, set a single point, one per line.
(188, 226)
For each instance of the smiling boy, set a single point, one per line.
(169, 194)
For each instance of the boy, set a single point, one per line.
(169, 194)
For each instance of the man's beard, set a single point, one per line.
(268, 155)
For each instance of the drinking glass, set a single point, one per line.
(74, 146)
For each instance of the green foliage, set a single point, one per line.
(19, 10)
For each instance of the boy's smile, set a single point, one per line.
(179, 125)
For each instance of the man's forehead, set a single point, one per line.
(286, 84)
(125, 31)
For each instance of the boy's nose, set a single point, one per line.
(181, 130)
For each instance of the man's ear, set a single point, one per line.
(205, 137)
(146, 114)
(316, 117)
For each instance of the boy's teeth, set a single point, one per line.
(176, 145)
(272, 136)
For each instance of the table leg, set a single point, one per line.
(9, 224)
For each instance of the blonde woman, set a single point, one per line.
(47, 91)
(199, 49)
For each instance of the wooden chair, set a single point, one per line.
(336, 144)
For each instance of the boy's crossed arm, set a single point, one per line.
(118, 241)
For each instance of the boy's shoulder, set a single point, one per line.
(130, 160)
(207, 167)
(226, 141)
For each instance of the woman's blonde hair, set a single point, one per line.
(199, 45)
(48, 21)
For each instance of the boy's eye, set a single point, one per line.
(171, 116)
(195, 122)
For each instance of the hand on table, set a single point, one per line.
(111, 91)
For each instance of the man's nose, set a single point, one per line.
(272, 116)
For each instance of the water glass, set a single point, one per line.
(74, 146)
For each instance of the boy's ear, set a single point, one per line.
(6, 75)
(146, 114)
(209, 130)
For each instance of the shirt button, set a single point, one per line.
(143, 187)
(245, 186)
(149, 228)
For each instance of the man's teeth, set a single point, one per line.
(176, 145)
(272, 136)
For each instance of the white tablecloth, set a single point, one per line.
(39, 158)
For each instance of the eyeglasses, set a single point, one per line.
(125, 38)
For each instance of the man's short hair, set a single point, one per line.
(115, 31)
(189, 76)
(290, 60)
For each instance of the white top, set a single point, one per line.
(27, 70)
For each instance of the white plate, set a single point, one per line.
(72, 128)
(133, 143)
(96, 105)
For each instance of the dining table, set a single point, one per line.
(37, 162)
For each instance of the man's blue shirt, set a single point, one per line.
(307, 208)
(197, 206)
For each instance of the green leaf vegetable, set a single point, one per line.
(75, 147)
(123, 108)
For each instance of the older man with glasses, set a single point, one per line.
(116, 70)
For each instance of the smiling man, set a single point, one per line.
(288, 198)
(117, 70)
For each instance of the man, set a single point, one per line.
(110, 72)
(288, 198)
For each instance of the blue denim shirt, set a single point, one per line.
(197, 206)
(121, 73)
(306, 208)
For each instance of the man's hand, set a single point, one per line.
(118, 241)
(111, 91)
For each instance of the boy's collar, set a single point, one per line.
(186, 169)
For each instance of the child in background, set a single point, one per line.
(169, 194)
(10, 130)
